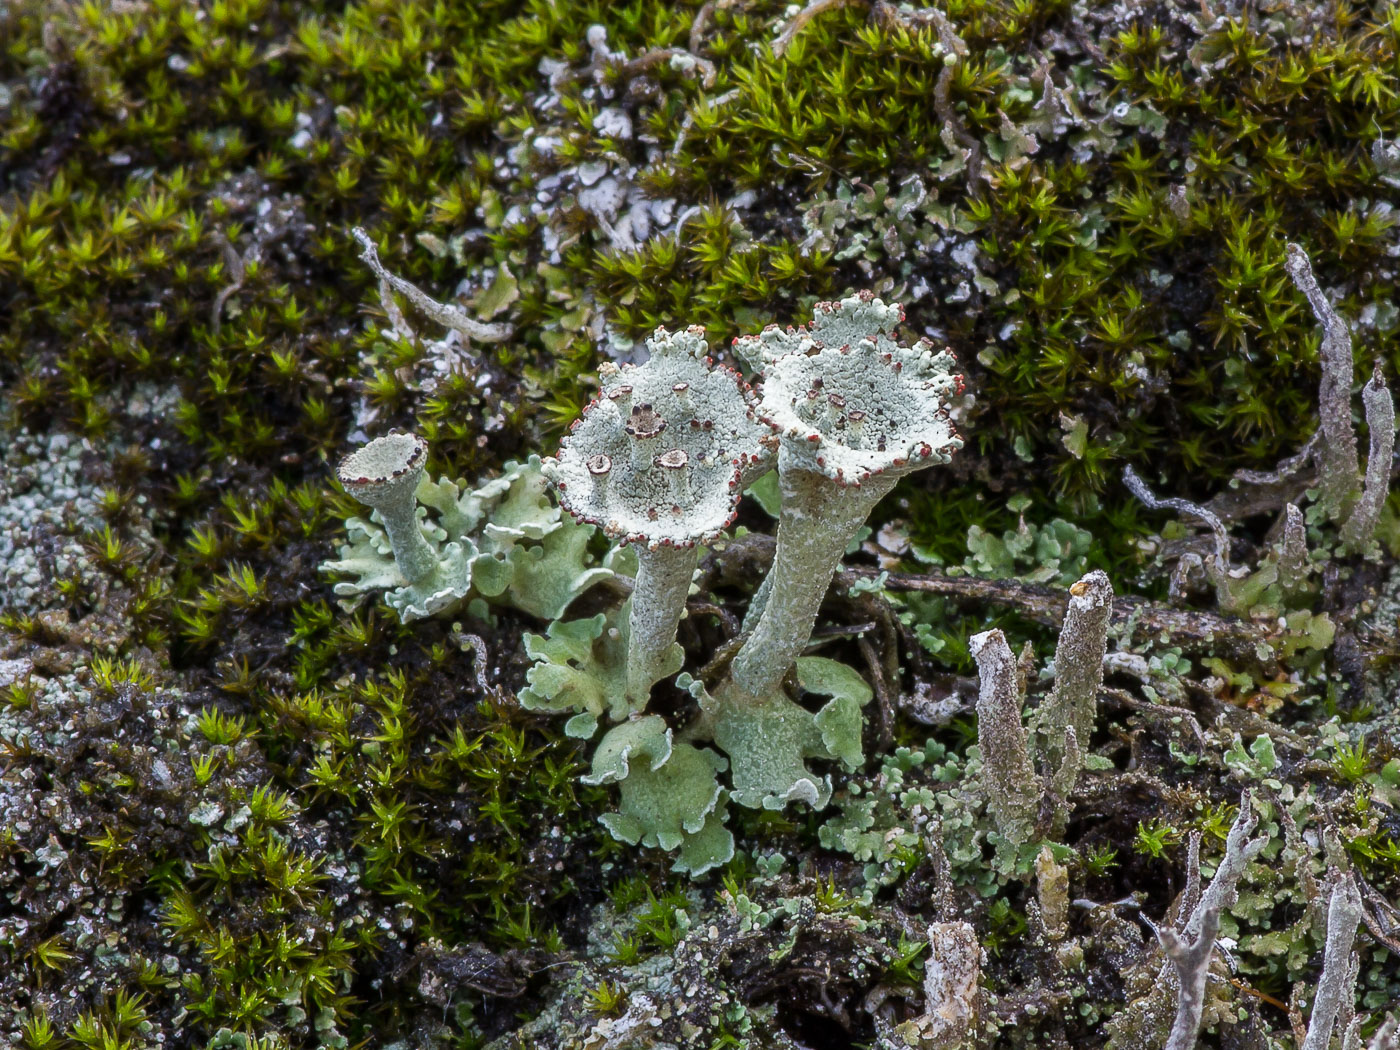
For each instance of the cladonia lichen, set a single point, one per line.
(855, 411)
(660, 460)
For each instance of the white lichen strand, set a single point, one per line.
(1338, 468)
(1009, 779)
(384, 475)
(1217, 565)
(1380, 419)
(1387, 1037)
(453, 317)
(1240, 849)
(1337, 984)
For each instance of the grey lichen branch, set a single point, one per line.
(1240, 849)
(1336, 987)
(604, 58)
(1218, 565)
(453, 317)
(1079, 657)
(1387, 1037)
(1191, 961)
(1337, 456)
(236, 273)
(1191, 895)
(1144, 1022)
(1380, 419)
(1285, 471)
(1382, 925)
(1293, 567)
(952, 994)
(1008, 776)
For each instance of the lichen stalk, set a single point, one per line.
(1191, 961)
(1012, 789)
(384, 475)
(1079, 653)
(1293, 552)
(817, 521)
(657, 461)
(413, 554)
(1052, 894)
(1380, 419)
(1343, 916)
(952, 978)
(854, 411)
(1145, 1021)
(658, 603)
(1338, 467)
(447, 315)
(1240, 849)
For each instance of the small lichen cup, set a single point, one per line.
(384, 475)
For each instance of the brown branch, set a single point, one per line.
(747, 558)
(1190, 628)
(885, 707)
(700, 607)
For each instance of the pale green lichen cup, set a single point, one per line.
(384, 475)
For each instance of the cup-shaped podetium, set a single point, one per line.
(855, 411)
(659, 460)
(384, 475)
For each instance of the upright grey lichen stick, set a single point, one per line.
(1013, 792)
(659, 460)
(384, 475)
(1338, 466)
(855, 411)
(1078, 667)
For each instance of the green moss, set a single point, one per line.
(176, 183)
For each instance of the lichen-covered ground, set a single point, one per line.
(233, 813)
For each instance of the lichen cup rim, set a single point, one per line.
(377, 470)
(626, 519)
